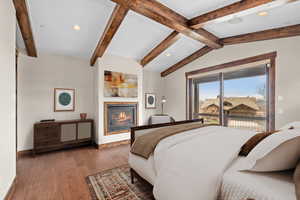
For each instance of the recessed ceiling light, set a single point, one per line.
(76, 27)
(168, 54)
(235, 20)
(263, 13)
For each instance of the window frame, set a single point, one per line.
(271, 78)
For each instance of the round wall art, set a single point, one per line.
(64, 99)
(150, 101)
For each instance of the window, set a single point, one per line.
(240, 97)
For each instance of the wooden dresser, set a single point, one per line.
(49, 136)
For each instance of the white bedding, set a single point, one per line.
(191, 165)
(193, 170)
(237, 185)
(147, 168)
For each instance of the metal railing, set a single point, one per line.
(257, 123)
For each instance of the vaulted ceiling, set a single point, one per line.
(52, 24)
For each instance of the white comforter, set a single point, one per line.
(190, 166)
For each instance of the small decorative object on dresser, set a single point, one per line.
(64, 99)
(83, 116)
(150, 101)
(49, 136)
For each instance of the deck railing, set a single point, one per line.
(257, 123)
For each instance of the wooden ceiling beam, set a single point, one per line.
(111, 28)
(164, 15)
(267, 56)
(201, 52)
(283, 32)
(25, 27)
(198, 22)
(235, 8)
(166, 43)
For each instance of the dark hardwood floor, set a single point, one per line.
(61, 175)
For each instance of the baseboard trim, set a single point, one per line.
(98, 146)
(11, 190)
(112, 144)
(24, 153)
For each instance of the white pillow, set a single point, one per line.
(295, 124)
(277, 152)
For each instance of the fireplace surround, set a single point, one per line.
(119, 117)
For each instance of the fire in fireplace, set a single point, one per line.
(119, 117)
(123, 117)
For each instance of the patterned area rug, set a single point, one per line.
(115, 184)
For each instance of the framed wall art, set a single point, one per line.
(117, 84)
(64, 100)
(150, 101)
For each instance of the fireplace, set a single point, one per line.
(119, 117)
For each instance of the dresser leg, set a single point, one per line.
(33, 153)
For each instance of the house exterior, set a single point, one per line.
(241, 106)
(240, 112)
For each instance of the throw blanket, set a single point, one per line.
(193, 169)
(144, 145)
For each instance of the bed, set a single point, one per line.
(219, 178)
(237, 185)
(145, 168)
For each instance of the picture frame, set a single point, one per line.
(120, 85)
(150, 101)
(64, 100)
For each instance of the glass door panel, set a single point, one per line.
(245, 99)
(207, 101)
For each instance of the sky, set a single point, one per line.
(242, 87)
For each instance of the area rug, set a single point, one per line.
(115, 184)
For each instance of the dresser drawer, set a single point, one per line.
(46, 133)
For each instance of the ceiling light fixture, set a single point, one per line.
(235, 20)
(262, 13)
(168, 54)
(76, 27)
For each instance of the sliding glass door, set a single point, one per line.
(245, 98)
(207, 103)
(236, 99)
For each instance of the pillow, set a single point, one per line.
(253, 141)
(275, 153)
(291, 125)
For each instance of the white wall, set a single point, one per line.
(152, 83)
(117, 64)
(8, 97)
(37, 78)
(287, 75)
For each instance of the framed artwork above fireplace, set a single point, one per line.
(117, 84)
(119, 117)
